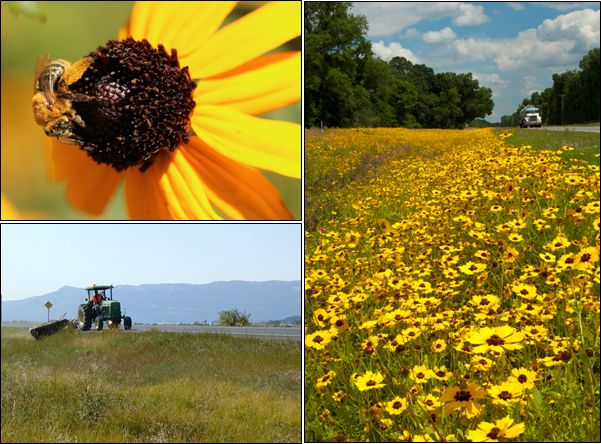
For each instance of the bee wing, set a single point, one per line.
(45, 87)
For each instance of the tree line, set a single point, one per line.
(346, 86)
(573, 98)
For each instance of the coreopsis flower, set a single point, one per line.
(496, 339)
(499, 431)
(324, 380)
(318, 340)
(173, 114)
(525, 291)
(369, 380)
(524, 377)
(396, 406)
(506, 394)
(471, 268)
(420, 374)
(439, 346)
(586, 258)
(441, 373)
(458, 398)
(429, 402)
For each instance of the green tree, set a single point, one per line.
(233, 318)
(336, 53)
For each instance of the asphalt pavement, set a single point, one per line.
(588, 129)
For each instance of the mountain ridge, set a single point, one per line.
(166, 302)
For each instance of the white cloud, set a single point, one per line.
(530, 85)
(490, 79)
(393, 50)
(444, 35)
(386, 18)
(470, 15)
(515, 5)
(566, 6)
(410, 34)
(554, 44)
(579, 26)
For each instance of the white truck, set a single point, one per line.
(530, 116)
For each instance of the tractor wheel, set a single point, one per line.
(127, 323)
(84, 316)
(99, 324)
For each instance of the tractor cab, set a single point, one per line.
(100, 308)
(99, 293)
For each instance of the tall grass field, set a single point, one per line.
(451, 286)
(117, 386)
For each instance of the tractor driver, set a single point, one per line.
(97, 298)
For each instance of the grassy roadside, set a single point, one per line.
(116, 386)
(585, 146)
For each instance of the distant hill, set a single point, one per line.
(186, 303)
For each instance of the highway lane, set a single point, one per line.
(588, 129)
(293, 333)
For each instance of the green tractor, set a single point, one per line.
(101, 308)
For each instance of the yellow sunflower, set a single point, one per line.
(174, 114)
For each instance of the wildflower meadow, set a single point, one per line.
(451, 288)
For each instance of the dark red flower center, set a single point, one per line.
(494, 432)
(463, 396)
(143, 104)
(495, 340)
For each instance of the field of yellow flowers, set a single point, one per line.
(451, 289)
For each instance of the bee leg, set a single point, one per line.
(71, 140)
(76, 97)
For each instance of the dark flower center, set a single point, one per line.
(396, 405)
(522, 378)
(317, 339)
(505, 395)
(495, 340)
(463, 396)
(370, 383)
(494, 433)
(144, 103)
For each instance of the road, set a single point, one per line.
(588, 129)
(294, 333)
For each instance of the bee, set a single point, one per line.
(52, 100)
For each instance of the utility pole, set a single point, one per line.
(562, 96)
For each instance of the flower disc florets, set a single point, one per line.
(144, 103)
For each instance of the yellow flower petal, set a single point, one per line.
(178, 186)
(144, 198)
(192, 25)
(237, 191)
(141, 16)
(9, 212)
(90, 185)
(262, 85)
(253, 35)
(270, 145)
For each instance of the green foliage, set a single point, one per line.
(345, 86)
(234, 318)
(577, 92)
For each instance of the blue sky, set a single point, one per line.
(511, 47)
(41, 258)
